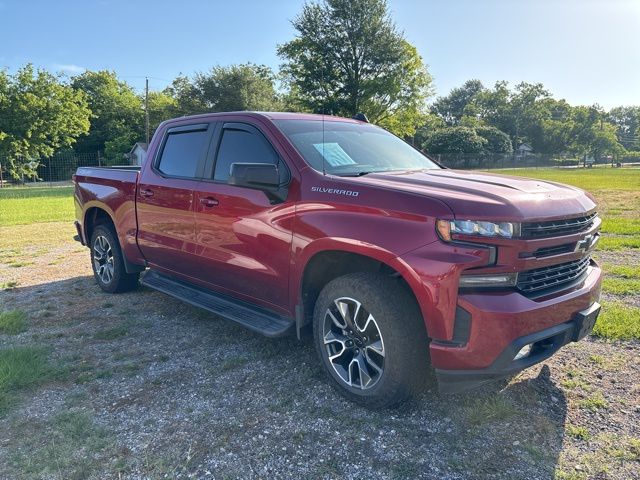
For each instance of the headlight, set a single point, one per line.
(489, 281)
(446, 228)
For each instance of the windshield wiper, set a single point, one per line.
(357, 174)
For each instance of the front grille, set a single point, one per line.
(554, 277)
(549, 251)
(557, 228)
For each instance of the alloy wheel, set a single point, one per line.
(353, 343)
(103, 259)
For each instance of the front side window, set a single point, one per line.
(350, 149)
(181, 153)
(241, 146)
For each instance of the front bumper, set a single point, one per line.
(543, 344)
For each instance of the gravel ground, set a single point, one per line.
(152, 388)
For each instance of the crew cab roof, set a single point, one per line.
(270, 116)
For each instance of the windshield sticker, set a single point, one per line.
(334, 154)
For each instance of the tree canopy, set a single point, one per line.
(117, 114)
(349, 57)
(38, 116)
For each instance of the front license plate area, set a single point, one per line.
(585, 321)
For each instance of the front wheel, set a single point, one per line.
(107, 262)
(369, 334)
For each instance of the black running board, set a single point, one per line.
(254, 318)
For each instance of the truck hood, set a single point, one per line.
(475, 195)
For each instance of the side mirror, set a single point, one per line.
(259, 176)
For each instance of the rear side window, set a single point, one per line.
(182, 152)
(240, 146)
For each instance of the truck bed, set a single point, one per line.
(112, 190)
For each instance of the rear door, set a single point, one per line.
(242, 235)
(165, 198)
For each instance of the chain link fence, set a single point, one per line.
(58, 169)
(50, 171)
(530, 160)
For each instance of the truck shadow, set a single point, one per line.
(217, 375)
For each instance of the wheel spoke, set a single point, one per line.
(376, 347)
(337, 322)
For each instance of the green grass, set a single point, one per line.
(484, 410)
(22, 368)
(69, 445)
(624, 271)
(618, 243)
(622, 286)
(35, 205)
(594, 403)
(618, 322)
(581, 433)
(13, 322)
(591, 179)
(111, 333)
(621, 225)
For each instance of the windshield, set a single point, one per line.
(351, 148)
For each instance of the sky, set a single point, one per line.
(585, 51)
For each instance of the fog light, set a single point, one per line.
(524, 352)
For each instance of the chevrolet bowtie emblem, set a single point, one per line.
(586, 243)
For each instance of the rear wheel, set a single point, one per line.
(370, 337)
(107, 262)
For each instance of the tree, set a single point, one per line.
(455, 140)
(116, 113)
(188, 100)
(627, 122)
(454, 106)
(592, 134)
(162, 106)
(237, 87)
(496, 140)
(38, 115)
(349, 57)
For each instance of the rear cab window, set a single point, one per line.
(183, 151)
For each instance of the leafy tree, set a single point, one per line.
(453, 107)
(237, 87)
(116, 112)
(225, 89)
(455, 140)
(349, 57)
(496, 140)
(38, 115)
(627, 122)
(592, 134)
(162, 106)
(188, 100)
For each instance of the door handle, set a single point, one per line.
(209, 202)
(146, 193)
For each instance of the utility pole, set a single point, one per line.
(146, 108)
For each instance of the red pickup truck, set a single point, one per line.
(289, 222)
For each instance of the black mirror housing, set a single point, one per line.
(259, 176)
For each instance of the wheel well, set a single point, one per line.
(329, 265)
(95, 216)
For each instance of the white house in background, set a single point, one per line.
(138, 154)
(523, 150)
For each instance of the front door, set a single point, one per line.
(242, 234)
(165, 199)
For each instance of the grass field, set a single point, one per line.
(140, 385)
(34, 205)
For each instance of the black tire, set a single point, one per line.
(119, 280)
(401, 370)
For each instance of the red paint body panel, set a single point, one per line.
(236, 241)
